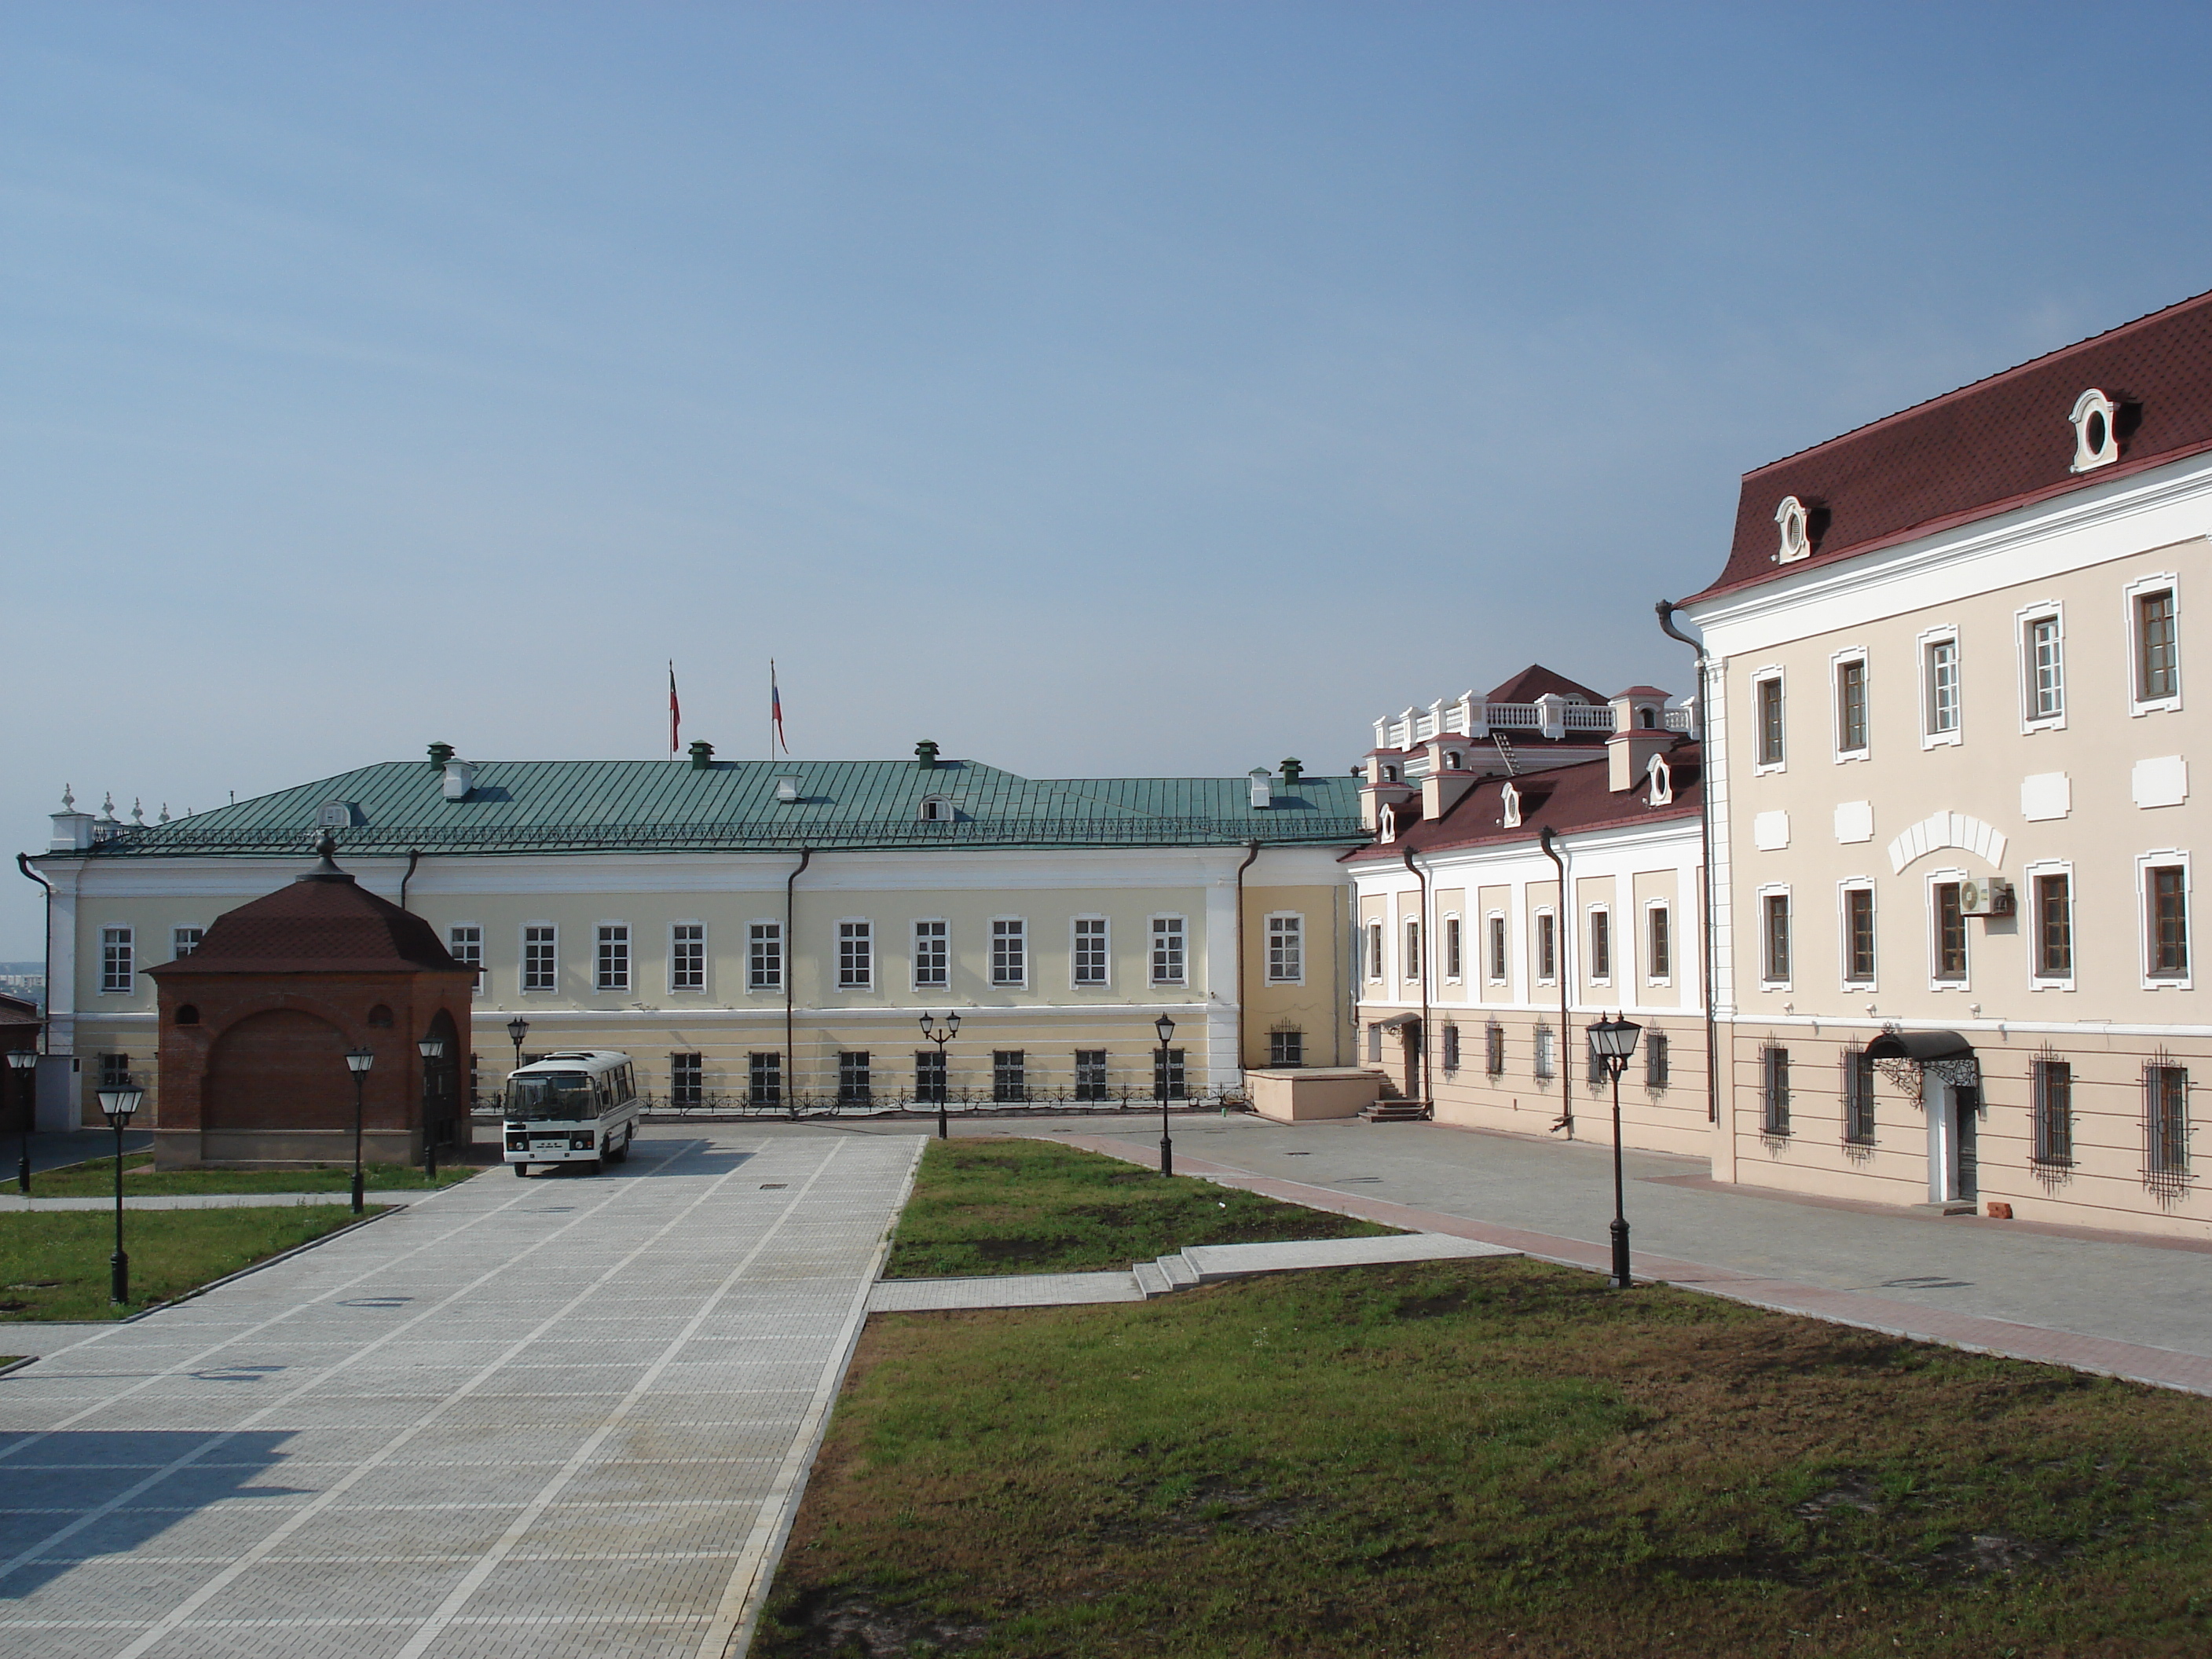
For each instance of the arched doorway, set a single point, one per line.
(283, 1069)
(441, 1082)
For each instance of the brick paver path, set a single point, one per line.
(565, 1416)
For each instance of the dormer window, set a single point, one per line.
(334, 815)
(1648, 718)
(1454, 761)
(1796, 527)
(1389, 830)
(1663, 782)
(2095, 442)
(935, 809)
(1511, 799)
(1389, 774)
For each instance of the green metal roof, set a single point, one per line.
(534, 806)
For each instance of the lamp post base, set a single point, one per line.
(23, 1173)
(943, 1134)
(1167, 1156)
(118, 1279)
(1620, 1279)
(356, 1192)
(430, 1155)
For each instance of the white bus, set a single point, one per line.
(580, 1107)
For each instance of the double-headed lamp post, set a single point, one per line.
(517, 1029)
(940, 1034)
(23, 1065)
(358, 1060)
(1165, 1027)
(431, 1049)
(118, 1104)
(1613, 1041)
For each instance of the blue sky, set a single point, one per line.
(1091, 388)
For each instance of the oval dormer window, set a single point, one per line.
(1389, 825)
(1663, 782)
(2095, 443)
(1511, 799)
(1796, 526)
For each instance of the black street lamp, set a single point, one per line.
(1613, 1041)
(431, 1048)
(517, 1029)
(1165, 1027)
(118, 1104)
(940, 1035)
(24, 1063)
(358, 1060)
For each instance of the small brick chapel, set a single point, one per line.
(255, 1024)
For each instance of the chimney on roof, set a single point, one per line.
(460, 778)
(924, 756)
(440, 753)
(1293, 769)
(702, 755)
(1263, 789)
(1629, 750)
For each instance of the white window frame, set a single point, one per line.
(1924, 644)
(1844, 982)
(1590, 913)
(1453, 944)
(1775, 890)
(2024, 622)
(1016, 929)
(867, 936)
(915, 954)
(1105, 927)
(753, 941)
(552, 944)
(124, 937)
(675, 956)
(2138, 704)
(1838, 661)
(178, 946)
(1371, 935)
(1666, 908)
(453, 927)
(2146, 924)
(1181, 933)
(1929, 882)
(2030, 917)
(1510, 800)
(1502, 961)
(1296, 932)
(1772, 672)
(601, 985)
(1536, 974)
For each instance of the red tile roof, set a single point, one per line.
(1568, 798)
(1535, 681)
(321, 922)
(2000, 443)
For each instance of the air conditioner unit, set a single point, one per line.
(1985, 895)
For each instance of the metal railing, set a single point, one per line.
(958, 1102)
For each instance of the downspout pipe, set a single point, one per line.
(414, 858)
(1563, 934)
(790, 973)
(1666, 608)
(23, 863)
(1421, 968)
(1251, 854)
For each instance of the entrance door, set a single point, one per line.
(1410, 1034)
(1953, 1163)
(1966, 1107)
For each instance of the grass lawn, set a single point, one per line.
(1495, 1457)
(55, 1266)
(1029, 1206)
(97, 1179)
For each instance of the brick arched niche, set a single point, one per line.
(283, 1069)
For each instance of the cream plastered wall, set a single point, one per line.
(1316, 1004)
(2013, 796)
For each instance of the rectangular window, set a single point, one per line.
(1090, 1074)
(856, 956)
(115, 1071)
(1659, 943)
(1009, 1075)
(1851, 706)
(687, 956)
(853, 1077)
(1010, 959)
(933, 963)
(1413, 965)
(1167, 950)
(2169, 921)
(764, 957)
(1167, 1069)
(1940, 689)
(182, 941)
(1090, 951)
(540, 963)
(1858, 1097)
(929, 1076)
(2053, 1081)
(1545, 1059)
(1493, 1049)
(2046, 670)
(1374, 1045)
(687, 1080)
(1768, 696)
(1498, 948)
(613, 960)
(1858, 935)
(1451, 947)
(1286, 1047)
(1594, 1072)
(1601, 945)
(1286, 949)
(1548, 946)
(2054, 927)
(1374, 949)
(1774, 936)
(1451, 1048)
(118, 962)
(1774, 1092)
(2166, 1113)
(1950, 932)
(2158, 659)
(465, 945)
(1657, 1059)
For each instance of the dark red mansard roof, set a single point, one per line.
(322, 922)
(1568, 799)
(1999, 443)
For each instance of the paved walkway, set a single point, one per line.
(564, 1416)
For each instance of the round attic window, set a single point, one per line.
(1793, 521)
(2095, 443)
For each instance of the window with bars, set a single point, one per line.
(1547, 945)
(464, 944)
(2054, 925)
(2052, 1102)
(687, 1080)
(1169, 967)
(2168, 904)
(1545, 1061)
(1767, 695)
(1939, 686)
(1451, 1048)
(856, 956)
(1451, 947)
(764, 1078)
(1601, 945)
(1286, 1047)
(118, 962)
(612, 970)
(1858, 1097)
(687, 956)
(1851, 706)
(1859, 935)
(1090, 1074)
(932, 961)
(1493, 1049)
(540, 958)
(2046, 670)
(1009, 1075)
(1657, 1059)
(182, 941)
(2166, 1119)
(929, 1075)
(1167, 1069)
(853, 1077)
(1774, 937)
(764, 957)
(1010, 951)
(2158, 659)
(1774, 1091)
(1497, 949)
(1659, 942)
(1411, 966)
(1950, 932)
(1090, 951)
(1286, 949)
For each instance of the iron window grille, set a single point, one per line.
(1774, 1092)
(2053, 1092)
(1660, 955)
(118, 962)
(1493, 1049)
(1286, 1047)
(613, 963)
(2169, 915)
(1858, 935)
(929, 1075)
(853, 1077)
(687, 1080)
(1544, 1058)
(1090, 951)
(1090, 1074)
(1010, 952)
(1451, 1048)
(1594, 1071)
(856, 956)
(1167, 950)
(687, 956)
(1009, 1075)
(1950, 932)
(2165, 1121)
(1167, 1069)
(540, 963)
(1286, 956)
(1858, 1097)
(765, 1079)
(764, 957)
(2054, 927)
(1657, 1061)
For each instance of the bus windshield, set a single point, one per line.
(551, 1098)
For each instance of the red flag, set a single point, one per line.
(675, 711)
(776, 706)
